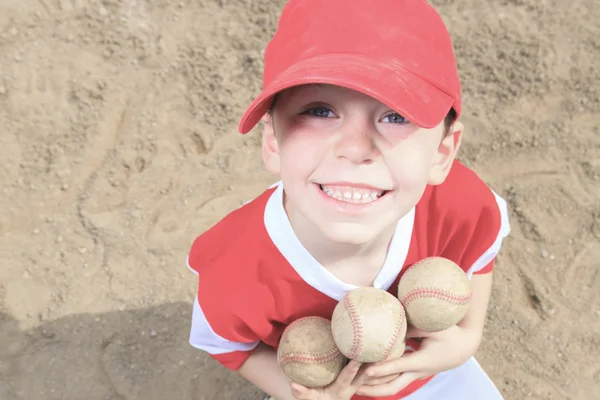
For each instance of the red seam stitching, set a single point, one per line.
(394, 338)
(356, 328)
(309, 358)
(419, 293)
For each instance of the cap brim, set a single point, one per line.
(403, 91)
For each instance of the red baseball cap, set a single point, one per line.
(396, 51)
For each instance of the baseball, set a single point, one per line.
(369, 325)
(307, 353)
(435, 293)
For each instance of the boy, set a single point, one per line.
(360, 106)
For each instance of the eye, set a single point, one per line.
(320, 112)
(395, 118)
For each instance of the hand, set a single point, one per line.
(439, 351)
(343, 388)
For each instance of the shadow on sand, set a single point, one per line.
(132, 354)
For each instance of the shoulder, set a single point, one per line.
(465, 219)
(231, 237)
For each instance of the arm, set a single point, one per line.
(474, 320)
(262, 370)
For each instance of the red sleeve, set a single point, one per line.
(230, 316)
(218, 325)
(487, 269)
(233, 360)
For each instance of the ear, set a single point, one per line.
(270, 147)
(446, 154)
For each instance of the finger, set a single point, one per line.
(412, 332)
(381, 380)
(351, 369)
(388, 389)
(360, 378)
(409, 362)
(348, 373)
(301, 393)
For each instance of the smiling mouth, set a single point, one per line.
(354, 195)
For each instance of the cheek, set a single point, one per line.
(410, 169)
(300, 157)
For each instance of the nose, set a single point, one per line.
(356, 144)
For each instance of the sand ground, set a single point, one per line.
(118, 145)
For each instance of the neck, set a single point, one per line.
(330, 253)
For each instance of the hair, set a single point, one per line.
(448, 120)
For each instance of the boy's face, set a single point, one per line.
(351, 166)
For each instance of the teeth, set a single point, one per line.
(353, 195)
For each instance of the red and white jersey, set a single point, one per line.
(255, 277)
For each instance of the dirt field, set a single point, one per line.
(119, 144)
